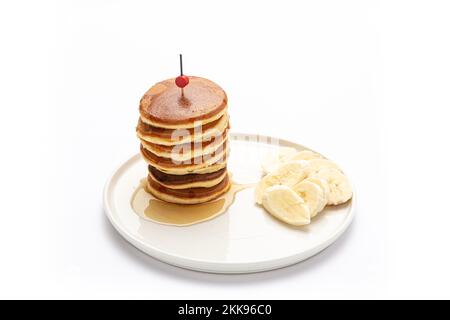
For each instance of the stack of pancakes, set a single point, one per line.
(184, 140)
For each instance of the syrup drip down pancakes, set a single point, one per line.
(184, 140)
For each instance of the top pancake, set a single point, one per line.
(163, 105)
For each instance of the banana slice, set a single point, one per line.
(313, 195)
(287, 174)
(273, 160)
(314, 165)
(340, 188)
(284, 204)
(321, 183)
(306, 155)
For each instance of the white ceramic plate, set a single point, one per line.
(242, 240)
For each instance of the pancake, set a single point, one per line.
(148, 130)
(184, 139)
(203, 164)
(187, 196)
(192, 180)
(163, 106)
(170, 137)
(185, 151)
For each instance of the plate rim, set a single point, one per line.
(225, 267)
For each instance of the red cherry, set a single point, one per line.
(182, 81)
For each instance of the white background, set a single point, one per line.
(364, 82)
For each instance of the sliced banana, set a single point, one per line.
(305, 155)
(273, 160)
(313, 195)
(321, 183)
(340, 188)
(286, 205)
(288, 174)
(314, 165)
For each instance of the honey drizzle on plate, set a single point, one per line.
(148, 207)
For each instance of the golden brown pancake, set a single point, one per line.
(193, 165)
(164, 106)
(192, 180)
(184, 139)
(146, 129)
(172, 137)
(187, 196)
(185, 151)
